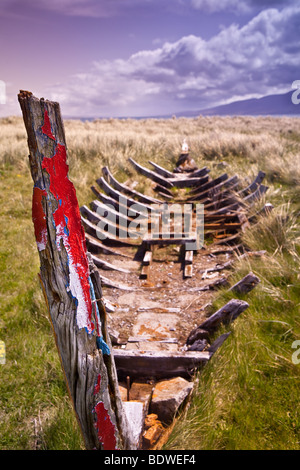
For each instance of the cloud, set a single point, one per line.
(256, 59)
(238, 6)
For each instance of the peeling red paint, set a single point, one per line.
(46, 128)
(105, 428)
(39, 218)
(97, 386)
(68, 225)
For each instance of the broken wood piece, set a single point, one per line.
(218, 267)
(224, 315)
(197, 335)
(218, 342)
(246, 284)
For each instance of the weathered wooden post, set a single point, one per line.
(71, 284)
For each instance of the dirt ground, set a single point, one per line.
(166, 305)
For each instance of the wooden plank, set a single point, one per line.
(170, 241)
(158, 364)
(122, 188)
(151, 174)
(70, 284)
(188, 270)
(189, 257)
(142, 339)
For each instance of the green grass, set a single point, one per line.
(247, 395)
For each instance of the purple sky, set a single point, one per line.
(147, 57)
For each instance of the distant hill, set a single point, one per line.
(265, 106)
(271, 105)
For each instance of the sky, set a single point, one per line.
(117, 58)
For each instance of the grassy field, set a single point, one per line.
(247, 396)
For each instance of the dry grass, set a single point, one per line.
(247, 396)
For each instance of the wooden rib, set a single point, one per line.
(161, 189)
(253, 186)
(221, 202)
(115, 224)
(223, 226)
(106, 211)
(210, 184)
(95, 244)
(126, 190)
(213, 191)
(260, 191)
(198, 173)
(119, 196)
(166, 196)
(108, 283)
(224, 241)
(93, 230)
(151, 174)
(100, 263)
(189, 182)
(94, 218)
(162, 171)
(117, 204)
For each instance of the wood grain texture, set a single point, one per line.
(70, 284)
